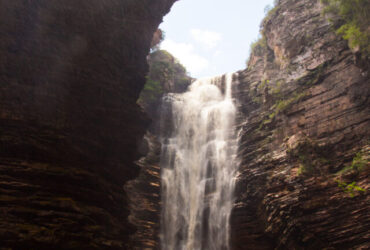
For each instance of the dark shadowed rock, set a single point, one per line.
(144, 196)
(70, 75)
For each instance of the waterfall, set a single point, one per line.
(198, 164)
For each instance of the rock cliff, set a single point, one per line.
(144, 195)
(304, 137)
(304, 142)
(70, 73)
(166, 75)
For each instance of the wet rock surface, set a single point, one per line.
(144, 196)
(70, 73)
(304, 105)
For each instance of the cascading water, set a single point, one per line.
(198, 167)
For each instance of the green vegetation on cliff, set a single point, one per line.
(165, 75)
(259, 46)
(350, 188)
(270, 10)
(152, 91)
(359, 164)
(353, 22)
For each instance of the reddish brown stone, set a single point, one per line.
(70, 75)
(287, 191)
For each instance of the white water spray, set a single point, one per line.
(199, 167)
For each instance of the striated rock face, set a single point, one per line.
(70, 73)
(144, 196)
(304, 105)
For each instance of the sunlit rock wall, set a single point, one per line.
(304, 102)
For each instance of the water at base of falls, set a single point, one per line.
(198, 164)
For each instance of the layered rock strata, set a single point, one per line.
(144, 196)
(304, 145)
(71, 72)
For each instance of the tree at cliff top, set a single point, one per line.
(353, 22)
(166, 75)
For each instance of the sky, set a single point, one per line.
(212, 37)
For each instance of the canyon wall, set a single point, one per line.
(166, 75)
(70, 73)
(144, 196)
(304, 147)
(304, 142)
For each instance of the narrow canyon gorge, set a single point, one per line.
(275, 156)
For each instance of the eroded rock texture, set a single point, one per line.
(70, 75)
(304, 103)
(144, 196)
